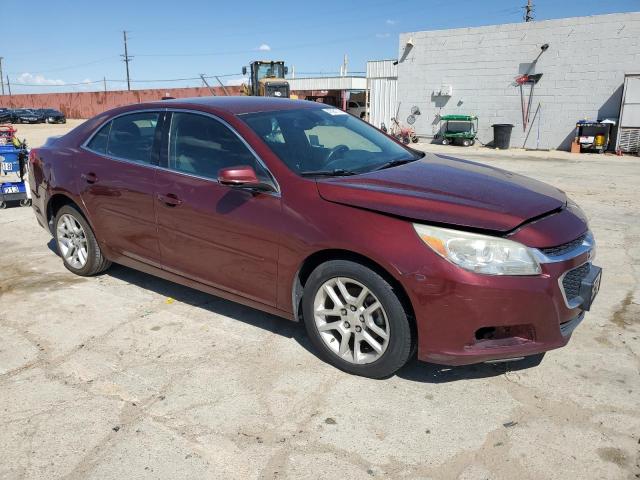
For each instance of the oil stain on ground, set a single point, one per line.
(628, 313)
(20, 280)
(613, 455)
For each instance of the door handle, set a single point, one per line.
(170, 200)
(89, 177)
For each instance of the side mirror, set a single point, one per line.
(244, 70)
(242, 176)
(286, 70)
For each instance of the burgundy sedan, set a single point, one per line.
(301, 210)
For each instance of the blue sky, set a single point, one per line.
(66, 41)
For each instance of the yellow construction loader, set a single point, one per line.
(266, 79)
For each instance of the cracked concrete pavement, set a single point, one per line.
(128, 376)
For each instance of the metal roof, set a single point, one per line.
(328, 83)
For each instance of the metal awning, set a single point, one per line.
(328, 83)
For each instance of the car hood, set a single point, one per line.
(446, 190)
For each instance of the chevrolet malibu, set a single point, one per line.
(303, 211)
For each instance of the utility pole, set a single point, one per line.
(126, 58)
(9, 87)
(528, 16)
(345, 66)
(1, 76)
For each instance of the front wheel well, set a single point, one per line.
(323, 256)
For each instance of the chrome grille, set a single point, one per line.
(564, 248)
(572, 280)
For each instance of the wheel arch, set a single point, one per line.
(55, 203)
(322, 256)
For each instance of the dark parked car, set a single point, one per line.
(304, 211)
(25, 115)
(51, 115)
(5, 115)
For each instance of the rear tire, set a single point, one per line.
(445, 141)
(71, 230)
(378, 339)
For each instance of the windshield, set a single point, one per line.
(326, 140)
(274, 70)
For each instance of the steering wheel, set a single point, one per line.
(333, 154)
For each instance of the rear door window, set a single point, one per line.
(131, 137)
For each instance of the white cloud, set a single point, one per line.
(264, 47)
(233, 82)
(38, 79)
(391, 22)
(383, 35)
(86, 84)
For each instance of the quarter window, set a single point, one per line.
(131, 136)
(201, 146)
(99, 141)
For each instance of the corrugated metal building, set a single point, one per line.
(382, 82)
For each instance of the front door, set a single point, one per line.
(217, 235)
(117, 185)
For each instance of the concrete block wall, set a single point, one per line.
(583, 73)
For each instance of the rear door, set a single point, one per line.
(217, 235)
(116, 179)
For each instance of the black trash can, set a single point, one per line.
(502, 135)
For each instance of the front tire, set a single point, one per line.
(355, 320)
(77, 244)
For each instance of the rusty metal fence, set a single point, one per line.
(89, 104)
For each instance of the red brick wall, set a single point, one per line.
(89, 104)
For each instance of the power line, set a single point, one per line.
(54, 84)
(71, 67)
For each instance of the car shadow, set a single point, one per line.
(51, 245)
(423, 372)
(414, 370)
(211, 303)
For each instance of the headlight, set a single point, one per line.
(479, 253)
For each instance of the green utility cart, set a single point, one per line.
(461, 129)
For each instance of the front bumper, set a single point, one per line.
(465, 318)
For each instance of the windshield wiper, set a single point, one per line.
(394, 163)
(338, 172)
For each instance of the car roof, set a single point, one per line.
(237, 105)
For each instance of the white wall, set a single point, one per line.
(583, 72)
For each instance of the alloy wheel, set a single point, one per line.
(72, 241)
(351, 320)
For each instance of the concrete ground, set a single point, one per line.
(128, 376)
